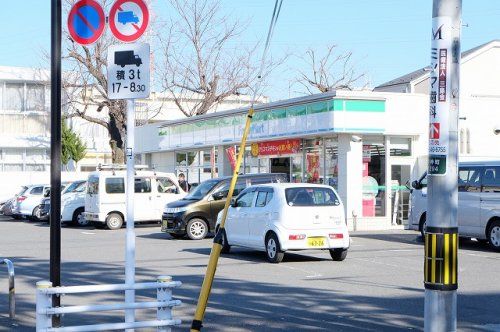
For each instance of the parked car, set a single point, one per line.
(72, 204)
(28, 204)
(105, 198)
(196, 213)
(478, 202)
(7, 206)
(277, 218)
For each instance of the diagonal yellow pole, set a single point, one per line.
(217, 246)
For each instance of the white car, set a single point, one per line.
(73, 204)
(282, 217)
(27, 205)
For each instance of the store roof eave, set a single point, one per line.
(242, 110)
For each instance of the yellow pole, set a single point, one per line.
(217, 246)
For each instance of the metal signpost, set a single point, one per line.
(441, 234)
(128, 78)
(55, 150)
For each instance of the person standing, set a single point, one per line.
(183, 183)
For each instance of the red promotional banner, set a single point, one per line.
(286, 146)
(231, 155)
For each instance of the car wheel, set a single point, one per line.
(494, 235)
(273, 249)
(197, 229)
(226, 248)
(423, 225)
(35, 216)
(114, 221)
(338, 254)
(79, 218)
(176, 236)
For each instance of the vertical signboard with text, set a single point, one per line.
(439, 106)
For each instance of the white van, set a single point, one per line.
(478, 202)
(105, 198)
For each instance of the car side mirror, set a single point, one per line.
(416, 185)
(218, 195)
(233, 202)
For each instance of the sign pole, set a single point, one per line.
(55, 154)
(441, 233)
(130, 237)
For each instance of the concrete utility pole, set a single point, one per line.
(441, 234)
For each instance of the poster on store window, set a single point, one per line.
(440, 95)
(313, 167)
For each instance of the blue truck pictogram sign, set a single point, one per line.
(127, 17)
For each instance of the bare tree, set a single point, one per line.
(333, 71)
(202, 62)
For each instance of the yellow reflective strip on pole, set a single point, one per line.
(426, 262)
(433, 255)
(446, 263)
(216, 247)
(454, 260)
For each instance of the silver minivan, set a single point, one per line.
(478, 202)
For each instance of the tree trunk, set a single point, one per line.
(116, 142)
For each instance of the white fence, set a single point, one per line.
(163, 304)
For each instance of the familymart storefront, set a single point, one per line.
(333, 138)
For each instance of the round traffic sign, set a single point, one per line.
(128, 19)
(86, 21)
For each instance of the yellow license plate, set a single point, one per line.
(316, 242)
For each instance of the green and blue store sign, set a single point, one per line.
(333, 116)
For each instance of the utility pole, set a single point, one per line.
(441, 234)
(55, 153)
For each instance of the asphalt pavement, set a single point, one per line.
(377, 288)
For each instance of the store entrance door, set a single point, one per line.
(400, 193)
(281, 165)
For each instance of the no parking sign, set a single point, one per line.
(128, 19)
(86, 21)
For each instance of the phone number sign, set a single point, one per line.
(128, 71)
(440, 95)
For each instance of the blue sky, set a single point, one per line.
(389, 38)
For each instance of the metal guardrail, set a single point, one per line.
(163, 305)
(12, 290)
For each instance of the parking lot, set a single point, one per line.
(378, 287)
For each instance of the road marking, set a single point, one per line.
(88, 233)
(308, 272)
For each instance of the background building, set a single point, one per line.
(367, 144)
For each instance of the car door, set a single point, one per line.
(219, 195)
(238, 218)
(469, 204)
(33, 199)
(166, 192)
(260, 216)
(144, 205)
(490, 197)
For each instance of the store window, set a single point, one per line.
(374, 191)
(331, 162)
(297, 168)
(314, 167)
(400, 146)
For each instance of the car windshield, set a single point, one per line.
(311, 196)
(73, 186)
(202, 190)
